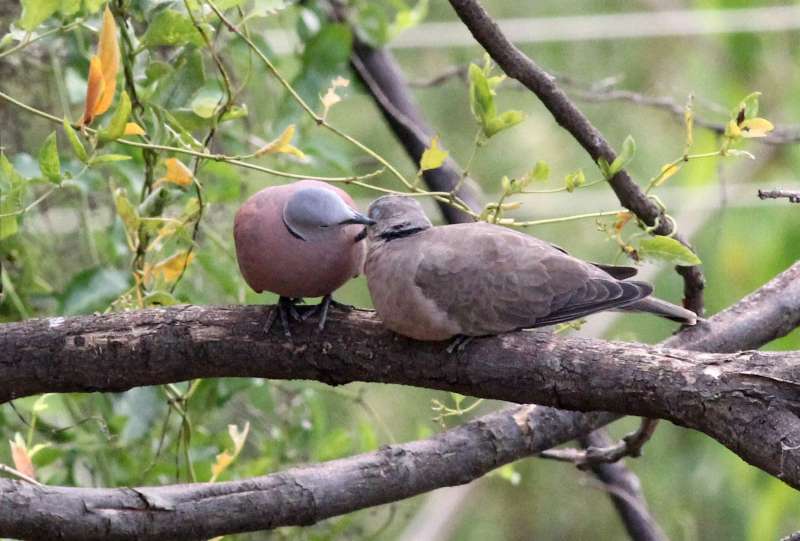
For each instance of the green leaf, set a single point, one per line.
(502, 122)
(602, 164)
(74, 140)
(747, 108)
(624, 157)
(93, 289)
(49, 163)
(11, 179)
(108, 158)
(667, 249)
(116, 128)
(159, 298)
(204, 107)
(12, 187)
(8, 224)
(408, 18)
(171, 27)
(481, 99)
(126, 210)
(433, 157)
(540, 172)
(36, 11)
(69, 7)
(575, 180)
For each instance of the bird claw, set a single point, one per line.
(458, 344)
(285, 310)
(322, 308)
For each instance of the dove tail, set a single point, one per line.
(665, 309)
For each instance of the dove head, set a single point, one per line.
(396, 217)
(317, 214)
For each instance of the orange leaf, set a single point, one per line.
(132, 128)
(177, 173)
(172, 267)
(94, 89)
(21, 458)
(108, 51)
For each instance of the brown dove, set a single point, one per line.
(476, 279)
(299, 240)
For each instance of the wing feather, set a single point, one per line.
(490, 279)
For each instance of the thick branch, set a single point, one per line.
(299, 496)
(518, 66)
(379, 72)
(745, 400)
(770, 312)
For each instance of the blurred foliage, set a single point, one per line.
(90, 224)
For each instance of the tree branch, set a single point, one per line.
(792, 196)
(625, 491)
(165, 339)
(518, 66)
(299, 496)
(744, 400)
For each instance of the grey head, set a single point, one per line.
(396, 217)
(317, 214)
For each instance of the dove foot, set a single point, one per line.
(285, 310)
(322, 308)
(459, 343)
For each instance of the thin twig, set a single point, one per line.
(18, 474)
(792, 195)
(630, 445)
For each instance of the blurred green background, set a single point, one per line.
(70, 256)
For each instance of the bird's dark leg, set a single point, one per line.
(326, 302)
(285, 309)
(459, 343)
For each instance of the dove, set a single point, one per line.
(299, 240)
(477, 279)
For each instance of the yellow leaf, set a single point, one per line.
(282, 145)
(666, 172)
(732, 130)
(132, 128)
(108, 51)
(177, 173)
(433, 157)
(170, 268)
(238, 436)
(756, 127)
(622, 218)
(688, 118)
(331, 98)
(21, 458)
(94, 90)
(224, 460)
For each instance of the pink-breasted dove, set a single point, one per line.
(299, 240)
(476, 279)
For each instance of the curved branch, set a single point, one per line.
(518, 66)
(298, 496)
(745, 400)
(229, 507)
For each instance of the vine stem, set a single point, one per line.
(567, 218)
(355, 179)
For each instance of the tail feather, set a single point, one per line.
(665, 309)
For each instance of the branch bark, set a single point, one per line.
(520, 67)
(295, 497)
(266, 502)
(745, 400)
